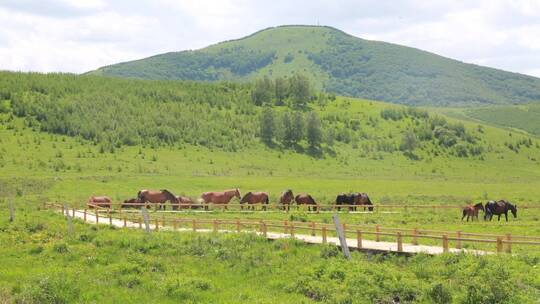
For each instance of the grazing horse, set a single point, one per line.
(132, 203)
(255, 198)
(472, 211)
(498, 208)
(362, 199)
(286, 198)
(221, 198)
(306, 199)
(183, 202)
(100, 201)
(346, 199)
(157, 197)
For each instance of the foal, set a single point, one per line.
(472, 211)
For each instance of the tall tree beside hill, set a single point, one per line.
(263, 91)
(267, 126)
(300, 90)
(313, 130)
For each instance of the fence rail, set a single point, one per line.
(314, 229)
(277, 206)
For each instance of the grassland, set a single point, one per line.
(42, 263)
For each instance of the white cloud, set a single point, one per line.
(77, 36)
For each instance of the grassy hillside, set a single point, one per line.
(340, 63)
(367, 145)
(66, 137)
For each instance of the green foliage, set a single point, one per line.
(341, 64)
(313, 130)
(268, 126)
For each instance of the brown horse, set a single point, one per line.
(362, 199)
(306, 199)
(255, 198)
(100, 201)
(472, 211)
(157, 197)
(498, 208)
(221, 198)
(183, 202)
(132, 203)
(286, 198)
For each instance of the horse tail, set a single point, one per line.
(266, 200)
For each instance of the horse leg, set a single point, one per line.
(506, 216)
(463, 217)
(499, 218)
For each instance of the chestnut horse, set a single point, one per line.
(220, 198)
(306, 199)
(183, 202)
(157, 197)
(472, 211)
(286, 198)
(255, 198)
(132, 203)
(100, 201)
(499, 208)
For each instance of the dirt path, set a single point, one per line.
(351, 243)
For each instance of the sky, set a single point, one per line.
(81, 35)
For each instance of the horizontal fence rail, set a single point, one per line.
(503, 243)
(276, 206)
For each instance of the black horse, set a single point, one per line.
(498, 208)
(346, 199)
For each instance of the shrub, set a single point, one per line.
(439, 294)
(57, 290)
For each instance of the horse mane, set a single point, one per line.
(245, 196)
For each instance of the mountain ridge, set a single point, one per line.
(338, 62)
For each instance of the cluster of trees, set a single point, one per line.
(435, 129)
(294, 91)
(114, 112)
(195, 65)
(290, 128)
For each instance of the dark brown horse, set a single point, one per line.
(306, 199)
(286, 199)
(255, 198)
(132, 203)
(498, 208)
(220, 198)
(157, 197)
(100, 201)
(472, 211)
(362, 199)
(183, 202)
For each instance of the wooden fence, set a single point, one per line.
(280, 207)
(503, 243)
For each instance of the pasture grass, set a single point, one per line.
(111, 265)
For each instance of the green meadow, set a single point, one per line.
(191, 138)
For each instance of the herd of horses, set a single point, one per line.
(159, 198)
(287, 198)
(491, 208)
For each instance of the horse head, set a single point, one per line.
(237, 193)
(245, 197)
(171, 197)
(513, 209)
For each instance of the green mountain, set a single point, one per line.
(342, 64)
